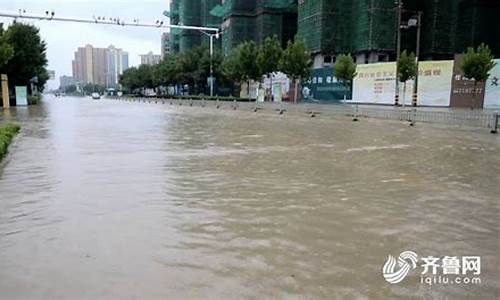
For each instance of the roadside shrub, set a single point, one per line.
(7, 133)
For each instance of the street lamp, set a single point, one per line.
(398, 48)
(211, 36)
(415, 21)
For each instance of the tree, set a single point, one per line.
(247, 56)
(6, 49)
(231, 68)
(407, 69)
(269, 57)
(296, 63)
(29, 59)
(345, 69)
(130, 79)
(70, 89)
(476, 65)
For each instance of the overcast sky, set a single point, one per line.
(63, 38)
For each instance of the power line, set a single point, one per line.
(103, 21)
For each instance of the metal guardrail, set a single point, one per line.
(473, 119)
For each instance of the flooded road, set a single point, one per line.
(121, 200)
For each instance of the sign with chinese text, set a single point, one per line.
(492, 91)
(463, 91)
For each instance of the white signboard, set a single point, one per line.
(492, 92)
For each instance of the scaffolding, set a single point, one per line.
(338, 26)
(478, 23)
(256, 20)
(191, 13)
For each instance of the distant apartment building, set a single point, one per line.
(101, 66)
(165, 44)
(65, 81)
(150, 59)
(117, 63)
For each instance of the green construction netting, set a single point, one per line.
(346, 25)
(278, 4)
(218, 11)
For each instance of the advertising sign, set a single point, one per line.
(492, 93)
(463, 93)
(376, 84)
(323, 85)
(434, 83)
(21, 96)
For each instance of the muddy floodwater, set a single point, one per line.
(117, 200)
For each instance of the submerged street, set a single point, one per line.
(109, 199)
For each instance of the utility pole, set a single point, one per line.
(211, 79)
(415, 86)
(398, 49)
(211, 65)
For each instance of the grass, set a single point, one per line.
(7, 133)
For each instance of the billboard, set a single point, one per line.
(376, 84)
(434, 82)
(21, 96)
(492, 93)
(323, 85)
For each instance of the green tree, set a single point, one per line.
(268, 58)
(29, 59)
(70, 89)
(476, 65)
(345, 70)
(247, 56)
(6, 49)
(231, 68)
(130, 79)
(296, 63)
(407, 69)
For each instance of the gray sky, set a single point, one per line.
(63, 38)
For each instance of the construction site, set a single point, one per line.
(364, 28)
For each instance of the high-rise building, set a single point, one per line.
(192, 13)
(165, 44)
(117, 63)
(367, 29)
(256, 20)
(150, 59)
(101, 66)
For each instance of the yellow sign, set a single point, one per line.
(376, 84)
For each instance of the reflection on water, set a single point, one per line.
(122, 200)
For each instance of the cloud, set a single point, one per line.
(63, 38)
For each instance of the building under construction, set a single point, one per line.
(364, 28)
(245, 20)
(367, 28)
(191, 13)
(239, 20)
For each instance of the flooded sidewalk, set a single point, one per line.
(110, 199)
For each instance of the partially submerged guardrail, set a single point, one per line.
(473, 119)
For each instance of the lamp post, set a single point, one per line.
(417, 56)
(211, 36)
(398, 48)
